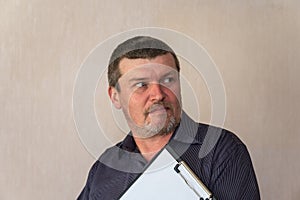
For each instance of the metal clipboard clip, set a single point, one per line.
(193, 181)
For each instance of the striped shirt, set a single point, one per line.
(217, 156)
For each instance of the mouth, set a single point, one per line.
(158, 108)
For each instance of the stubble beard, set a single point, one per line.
(151, 129)
(158, 125)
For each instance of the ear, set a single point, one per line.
(114, 97)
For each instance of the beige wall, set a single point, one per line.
(255, 44)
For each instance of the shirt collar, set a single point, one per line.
(187, 131)
(129, 144)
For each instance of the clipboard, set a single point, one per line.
(165, 178)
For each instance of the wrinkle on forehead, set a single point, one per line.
(127, 64)
(150, 72)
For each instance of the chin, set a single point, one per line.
(153, 129)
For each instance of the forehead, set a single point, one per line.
(126, 65)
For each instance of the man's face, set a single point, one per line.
(149, 95)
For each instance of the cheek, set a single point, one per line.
(174, 95)
(136, 108)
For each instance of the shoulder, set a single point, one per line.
(228, 153)
(229, 143)
(94, 169)
(206, 131)
(208, 136)
(232, 174)
(222, 143)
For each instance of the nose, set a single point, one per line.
(156, 92)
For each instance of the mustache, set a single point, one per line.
(158, 105)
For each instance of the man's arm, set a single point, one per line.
(234, 176)
(84, 195)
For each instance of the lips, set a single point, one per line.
(158, 108)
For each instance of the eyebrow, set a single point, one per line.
(147, 78)
(137, 79)
(170, 73)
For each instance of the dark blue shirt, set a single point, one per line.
(216, 156)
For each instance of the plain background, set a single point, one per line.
(255, 45)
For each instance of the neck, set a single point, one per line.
(149, 147)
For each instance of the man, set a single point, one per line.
(144, 82)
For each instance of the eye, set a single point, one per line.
(140, 84)
(168, 80)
